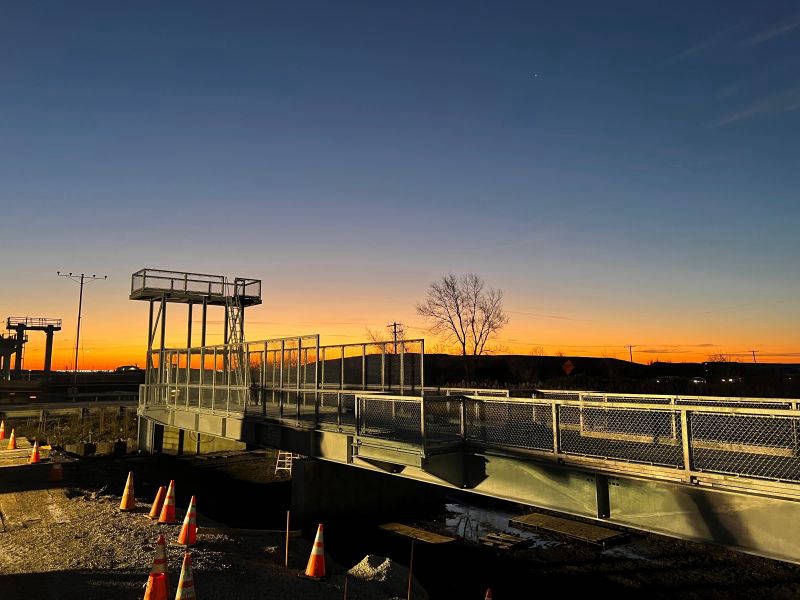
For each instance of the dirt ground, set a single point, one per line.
(75, 544)
(72, 542)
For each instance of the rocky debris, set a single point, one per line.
(380, 574)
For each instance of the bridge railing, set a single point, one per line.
(712, 439)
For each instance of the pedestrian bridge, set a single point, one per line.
(722, 470)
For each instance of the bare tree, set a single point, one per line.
(462, 309)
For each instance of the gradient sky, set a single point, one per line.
(627, 172)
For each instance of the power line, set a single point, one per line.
(80, 280)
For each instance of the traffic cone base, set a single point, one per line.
(168, 510)
(316, 562)
(188, 536)
(157, 588)
(158, 503)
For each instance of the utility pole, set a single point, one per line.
(630, 350)
(80, 280)
(754, 355)
(395, 327)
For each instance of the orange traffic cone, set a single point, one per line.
(155, 510)
(186, 582)
(34, 453)
(168, 511)
(158, 580)
(316, 562)
(188, 536)
(2, 430)
(12, 441)
(488, 594)
(128, 501)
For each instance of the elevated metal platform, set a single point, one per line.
(193, 288)
(33, 323)
(20, 325)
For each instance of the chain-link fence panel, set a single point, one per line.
(442, 419)
(642, 436)
(526, 425)
(390, 418)
(762, 446)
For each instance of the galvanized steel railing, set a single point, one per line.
(742, 442)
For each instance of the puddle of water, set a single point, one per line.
(471, 523)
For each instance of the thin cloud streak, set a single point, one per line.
(780, 103)
(704, 45)
(776, 30)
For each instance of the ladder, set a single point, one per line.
(284, 462)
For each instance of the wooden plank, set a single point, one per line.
(416, 534)
(503, 541)
(586, 532)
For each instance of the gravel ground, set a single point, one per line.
(88, 549)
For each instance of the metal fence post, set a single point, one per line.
(188, 373)
(383, 367)
(363, 366)
(214, 381)
(423, 431)
(685, 432)
(556, 431)
(341, 376)
(322, 378)
(402, 371)
(422, 366)
(463, 417)
(297, 379)
(227, 356)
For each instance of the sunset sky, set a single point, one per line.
(627, 172)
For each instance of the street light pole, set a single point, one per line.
(80, 280)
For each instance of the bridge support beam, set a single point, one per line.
(323, 490)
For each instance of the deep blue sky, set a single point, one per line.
(629, 169)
